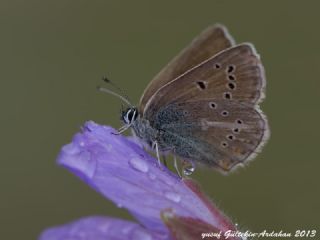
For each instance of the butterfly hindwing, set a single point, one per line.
(212, 132)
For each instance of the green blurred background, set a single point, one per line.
(52, 57)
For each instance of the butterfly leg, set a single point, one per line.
(155, 146)
(175, 164)
(122, 129)
(164, 160)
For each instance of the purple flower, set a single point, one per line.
(165, 206)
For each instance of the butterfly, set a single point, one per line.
(203, 107)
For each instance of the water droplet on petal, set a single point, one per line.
(140, 234)
(188, 169)
(125, 230)
(108, 147)
(119, 205)
(168, 214)
(138, 165)
(175, 197)
(152, 176)
(82, 144)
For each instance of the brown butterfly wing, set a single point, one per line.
(215, 133)
(235, 73)
(211, 41)
(205, 93)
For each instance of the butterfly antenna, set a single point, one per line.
(101, 89)
(123, 98)
(122, 109)
(108, 81)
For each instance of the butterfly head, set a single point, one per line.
(130, 115)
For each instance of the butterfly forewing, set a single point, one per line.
(211, 41)
(234, 74)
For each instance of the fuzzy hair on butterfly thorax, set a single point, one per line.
(141, 127)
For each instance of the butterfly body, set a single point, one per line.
(203, 107)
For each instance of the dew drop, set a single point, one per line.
(175, 197)
(140, 234)
(168, 214)
(119, 205)
(188, 169)
(152, 176)
(138, 165)
(125, 230)
(108, 147)
(82, 144)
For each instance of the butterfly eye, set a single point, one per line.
(130, 115)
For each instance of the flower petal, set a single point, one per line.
(98, 228)
(120, 170)
(188, 228)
